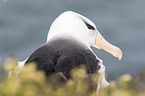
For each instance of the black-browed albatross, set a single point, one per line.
(68, 46)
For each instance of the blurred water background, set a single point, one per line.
(24, 25)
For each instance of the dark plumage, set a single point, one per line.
(62, 55)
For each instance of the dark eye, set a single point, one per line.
(90, 27)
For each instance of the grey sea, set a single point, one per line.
(24, 25)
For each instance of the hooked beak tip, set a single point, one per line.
(119, 54)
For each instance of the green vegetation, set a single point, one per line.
(31, 82)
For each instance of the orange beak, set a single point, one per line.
(103, 44)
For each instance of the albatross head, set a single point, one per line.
(82, 29)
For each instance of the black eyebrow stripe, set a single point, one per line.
(88, 25)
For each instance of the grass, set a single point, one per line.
(31, 82)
